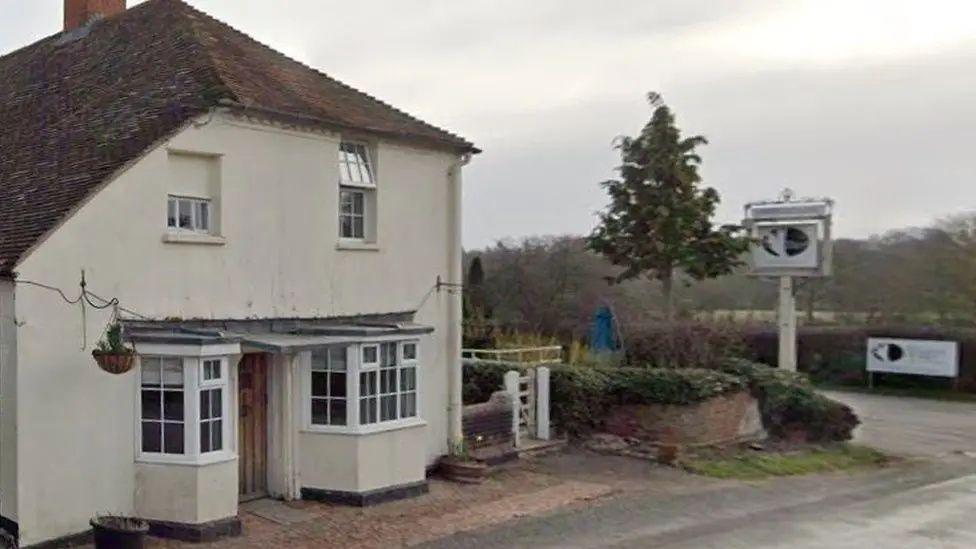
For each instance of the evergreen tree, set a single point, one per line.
(658, 222)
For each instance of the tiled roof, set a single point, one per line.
(74, 112)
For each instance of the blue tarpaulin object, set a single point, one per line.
(603, 333)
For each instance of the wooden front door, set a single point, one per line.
(253, 431)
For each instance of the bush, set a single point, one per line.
(789, 404)
(580, 397)
(689, 344)
(481, 381)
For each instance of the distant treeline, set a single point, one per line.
(553, 285)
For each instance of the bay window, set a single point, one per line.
(183, 408)
(370, 386)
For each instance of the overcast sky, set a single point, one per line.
(870, 102)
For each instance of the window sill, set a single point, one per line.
(191, 238)
(357, 246)
(188, 461)
(366, 429)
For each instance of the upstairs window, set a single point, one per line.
(189, 214)
(357, 192)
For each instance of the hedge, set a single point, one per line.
(789, 404)
(580, 395)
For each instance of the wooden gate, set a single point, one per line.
(253, 432)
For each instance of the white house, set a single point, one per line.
(284, 251)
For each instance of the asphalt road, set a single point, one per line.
(928, 502)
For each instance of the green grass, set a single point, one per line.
(753, 465)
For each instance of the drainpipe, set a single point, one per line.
(455, 431)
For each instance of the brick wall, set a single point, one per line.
(715, 421)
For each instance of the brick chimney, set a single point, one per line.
(78, 13)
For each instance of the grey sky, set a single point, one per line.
(871, 102)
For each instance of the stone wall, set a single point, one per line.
(488, 428)
(719, 420)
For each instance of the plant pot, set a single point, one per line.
(466, 471)
(114, 363)
(667, 454)
(119, 532)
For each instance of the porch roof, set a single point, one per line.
(303, 341)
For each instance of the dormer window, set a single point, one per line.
(357, 193)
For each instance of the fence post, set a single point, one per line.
(512, 388)
(542, 403)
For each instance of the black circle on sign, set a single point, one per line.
(796, 242)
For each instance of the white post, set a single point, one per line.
(542, 403)
(512, 388)
(787, 325)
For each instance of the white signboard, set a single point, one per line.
(913, 356)
(782, 245)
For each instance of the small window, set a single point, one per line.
(355, 167)
(352, 214)
(211, 370)
(188, 214)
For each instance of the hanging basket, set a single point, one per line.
(114, 363)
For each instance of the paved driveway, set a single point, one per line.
(913, 426)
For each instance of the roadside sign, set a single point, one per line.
(913, 356)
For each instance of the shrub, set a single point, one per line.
(481, 381)
(689, 344)
(789, 404)
(580, 396)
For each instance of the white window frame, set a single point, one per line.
(329, 397)
(367, 189)
(355, 366)
(195, 225)
(193, 383)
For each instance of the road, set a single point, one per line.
(927, 502)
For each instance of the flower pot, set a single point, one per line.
(114, 363)
(119, 532)
(466, 471)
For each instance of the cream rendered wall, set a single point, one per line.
(8, 401)
(187, 494)
(279, 216)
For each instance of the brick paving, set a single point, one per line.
(449, 508)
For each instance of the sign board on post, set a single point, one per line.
(913, 356)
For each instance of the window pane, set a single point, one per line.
(337, 359)
(217, 430)
(367, 383)
(172, 438)
(408, 379)
(388, 411)
(345, 227)
(204, 404)
(337, 411)
(408, 405)
(173, 372)
(171, 213)
(216, 403)
(388, 381)
(389, 356)
(173, 405)
(358, 203)
(150, 371)
(320, 411)
(409, 351)
(367, 410)
(369, 354)
(205, 437)
(358, 228)
(320, 382)
(203, 216)
(151, 405)
(320, 361)
(186, 214)
(337, 384)
(152, 437)
(211, 370)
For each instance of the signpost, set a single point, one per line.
(791, 239)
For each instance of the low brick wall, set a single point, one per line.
(488, 428)
(719, 420)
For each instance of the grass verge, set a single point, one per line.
(756, 465)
